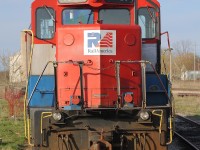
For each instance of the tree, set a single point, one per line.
(182, 58)
(4, 65)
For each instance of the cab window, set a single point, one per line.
(147, 22)
(45, 23)
(114, 16)
(77, 16)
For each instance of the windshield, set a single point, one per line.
(147, 22)
(114, 16)
(85, 16)
(77, 16)
(45, 23)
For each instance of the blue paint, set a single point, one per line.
(44, 94)
(156, 95)
(72, 107)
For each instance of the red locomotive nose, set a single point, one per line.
(98, 46)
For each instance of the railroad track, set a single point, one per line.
(186, 92)
(188, 131)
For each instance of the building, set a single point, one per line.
(190, 75)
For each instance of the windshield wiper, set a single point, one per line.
(151, 15)
(89, 15)
(52, 17)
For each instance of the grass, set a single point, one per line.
(11, 129)
(188, 84)
(187, 105)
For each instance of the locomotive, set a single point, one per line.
(94, 79)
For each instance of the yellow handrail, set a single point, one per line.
(28, 132)
(48, 114)
(160, 126)
(27, 121)
(159, 115)
(171, 131)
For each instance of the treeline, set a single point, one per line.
(184, 58)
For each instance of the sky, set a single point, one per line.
(179, 17)
(14, 17)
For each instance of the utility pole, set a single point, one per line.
(195, 61)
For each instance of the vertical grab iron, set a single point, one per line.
(143, 66)
(117, 64)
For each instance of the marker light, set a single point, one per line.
(57, 116)
(144, 115)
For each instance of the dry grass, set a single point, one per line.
(186, 84)
(187, 105)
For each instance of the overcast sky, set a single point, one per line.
(179, 17)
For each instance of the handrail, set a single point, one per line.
(170, 130)
(118, 77)
(26, 121)
(143, 65)
(53, 62)
(148, 62)
(154, 112)
(38, 82)
(144, 100)
(48, 114)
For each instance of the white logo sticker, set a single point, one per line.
(99, 42)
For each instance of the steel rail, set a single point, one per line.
(186, 141)
(191, 122)
(188, 120)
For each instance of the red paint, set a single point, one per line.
(100, 85)
(99, 80)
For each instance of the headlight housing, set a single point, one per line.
(144, 115)
(57, 116)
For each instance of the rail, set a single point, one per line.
(188, 130)
(186, 92)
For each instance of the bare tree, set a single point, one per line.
(184, 54)
(183, 47)
(183, 57)
(5, 59)
(4, 65)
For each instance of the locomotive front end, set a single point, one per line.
(95, 81)
(95, 92)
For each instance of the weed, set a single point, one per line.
(11, 129)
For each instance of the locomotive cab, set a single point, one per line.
(95, 78)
